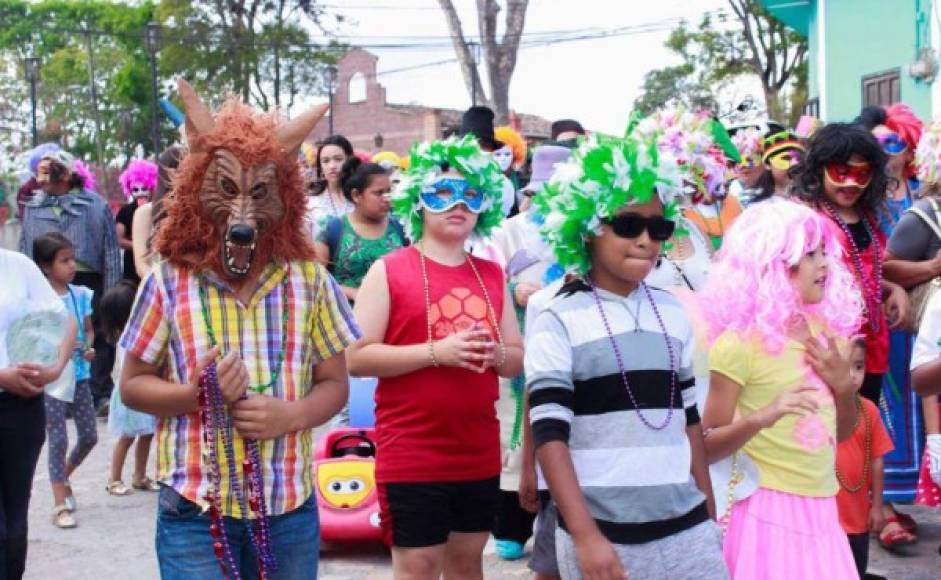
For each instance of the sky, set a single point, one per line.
(594, 81)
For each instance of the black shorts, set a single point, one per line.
(419, 515)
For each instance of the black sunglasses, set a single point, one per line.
(631, 225)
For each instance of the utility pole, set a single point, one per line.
(99, 148)
(126, 116)
(277, 56)
(31, 67)
(152, 43)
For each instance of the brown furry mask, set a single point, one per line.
(237, 201)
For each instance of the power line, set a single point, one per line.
(423, 42)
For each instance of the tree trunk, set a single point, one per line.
(775, 106)
(500, 56)
(464, 56)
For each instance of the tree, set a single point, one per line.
(675, 85)
(499, 56)
(257, 49)
(59, 33)
(775, 53)
(720, 50)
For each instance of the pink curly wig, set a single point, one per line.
(902, 120)
(88, 176)
(139, 172)
(749, 289)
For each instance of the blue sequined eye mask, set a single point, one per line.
(447, 192)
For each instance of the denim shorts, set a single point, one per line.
(184, 545)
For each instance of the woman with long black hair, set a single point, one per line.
(327, 199)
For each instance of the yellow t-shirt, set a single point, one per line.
(797, 454)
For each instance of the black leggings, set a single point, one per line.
(512, 522)
(22, 433)
(872, 387)
(859, 545)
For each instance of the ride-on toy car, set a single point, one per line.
(344, 473)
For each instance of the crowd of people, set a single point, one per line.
(669, 354)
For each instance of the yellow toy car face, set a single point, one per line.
(346, 484)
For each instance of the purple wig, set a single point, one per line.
(749, 289)
(139, 172)
(38, 152)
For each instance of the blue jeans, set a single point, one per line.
(184, 546)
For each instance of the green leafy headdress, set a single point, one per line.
(602, 175)
(429, 162)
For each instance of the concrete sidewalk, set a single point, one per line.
(115, 537)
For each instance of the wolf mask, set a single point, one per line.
(237, 201)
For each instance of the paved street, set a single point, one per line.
(114, 539)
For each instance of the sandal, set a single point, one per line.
(62, 517)
(146, 484)
(895, 537)
(118, 488)
(908, 523)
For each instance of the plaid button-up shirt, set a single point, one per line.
(167, 325)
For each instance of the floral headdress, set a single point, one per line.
(689, 139)
(928, 155)
(602, 175)
(429, 161)
(749, 141)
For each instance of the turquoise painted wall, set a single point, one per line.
(813, 44)
(865, 37)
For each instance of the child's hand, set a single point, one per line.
(529, 498)
(38, 375)
(832, 363)
(233, 378)
(801, 401)
(261, 417)
(471, 349)
(876, 518)
(89, 354)
(17, 381)
(597, 559)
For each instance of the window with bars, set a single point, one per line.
(812, 108)
(882, 89)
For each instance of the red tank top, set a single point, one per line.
(877, 342)
(437, 424)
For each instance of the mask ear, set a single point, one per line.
(198, 118)
(291, 134)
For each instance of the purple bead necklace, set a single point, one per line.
(872, 293)
(209, 418)
(617, 354)
(217, 423)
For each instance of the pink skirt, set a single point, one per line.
(774, 535)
